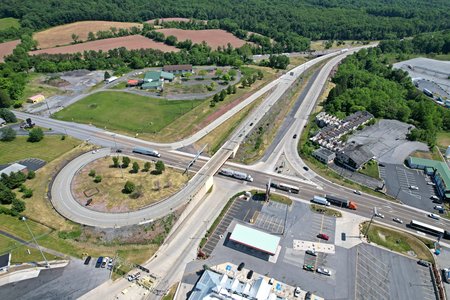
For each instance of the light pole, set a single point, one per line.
(115, 146)
(47, 265)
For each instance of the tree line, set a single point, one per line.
(365, 81)
(279, 20)
(435, 42)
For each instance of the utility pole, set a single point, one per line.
(47, 265)
(371, 219)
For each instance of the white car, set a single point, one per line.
(434, 197)
(431, 183)
(297, 292)
(323, 271)
(433, 216)
(413, 187)
(357, 192)
(439, 207)
(379, 215)
(398, 220)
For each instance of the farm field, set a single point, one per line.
(130, 42)
(213, 37)
(9, 22)
(125, 112)
(62, 35)
(7, 48)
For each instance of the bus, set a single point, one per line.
(146, 151)
(433, 230)
(285, 187)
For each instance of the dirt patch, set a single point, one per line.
(213, 37)
(110, 198)
(131, 42)
(62, 35)
(7, 48)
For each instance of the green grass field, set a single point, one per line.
(126, 112)
(9, 22)
(370, 169)
(443, 139)
(19, 253)
(48, 149)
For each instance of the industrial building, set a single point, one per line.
(353, 156)
(324, 155)
(439, 172)
(155, 79)
(255, 239)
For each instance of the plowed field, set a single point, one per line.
(213, 37)
(7, 48)
(130, 42)
(62, 35)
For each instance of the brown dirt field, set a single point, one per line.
(7, 48)
(62, 35)
(130, 42)
(168, 20)
(213, 37)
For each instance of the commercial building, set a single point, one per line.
(324, 155)
(255, 239)
(15, 167)
(5, 261)
(353, 156)
(133, 82)
(439, 172)
(178, 69)
(36, 98)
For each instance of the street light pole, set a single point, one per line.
(47, 265)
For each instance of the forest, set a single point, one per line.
(365, 81)
(281, 20)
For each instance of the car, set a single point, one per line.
(311, 252)
(400, 221)
(438, 207)
(308, 268)
(251, 124)
(323, 236)
(305, 168)
(323, 271)
(130, 277)
(87, 260)
(250, 274)
(431, 183)
(99, 262)
(271, 280)
(297, 291)
(379, 215)
(104, 261)
(434, 197)
(94, 151)
(295, 136)
(357, 192)
(423, 263)
(413, 187)
(241, 266)
(308, 296)
(433, 216)
(119, 150)
(137, 275)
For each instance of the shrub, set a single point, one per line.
(115, 162)
(125, 162)
(92, 173)
(31, 174)
(98, 179)
(159, 167)
(27, 193)
(35, 135)
(7, 134)
(135, 167)
(147, 166)
(129, 187)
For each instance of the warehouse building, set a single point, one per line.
(324, 155)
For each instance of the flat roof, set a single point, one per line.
(15, 167)
(254, 238)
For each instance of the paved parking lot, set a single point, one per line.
(399, 178)
(272, 217)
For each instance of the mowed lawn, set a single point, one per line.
(9, 22)
(48, 149)
(126, 112)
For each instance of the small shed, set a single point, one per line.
(132, 82)
(15, 167)
(5, 261)
(36, 98)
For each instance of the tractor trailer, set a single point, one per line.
(236, 174)
(341, 202)
(320, 200)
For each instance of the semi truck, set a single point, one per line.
(341, 202)
(146, 151)
(236, 174)
(320, 200)
(285, 187)
(111, 79)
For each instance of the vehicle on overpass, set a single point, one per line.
(430, 229)
(236, 174)
(341, 202)
(146, 151)
(285, 187)
(320, 200)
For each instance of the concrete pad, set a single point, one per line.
(273, 259)
(19, 276)
(317, 247)
(348, 224)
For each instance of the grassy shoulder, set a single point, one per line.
(370, 169)
(260, 195)
(6, 23)
(171, 294)
(325, 210)
(22, 253)
(49, 148)
(443, 138)
(432, 154)
(397, 241)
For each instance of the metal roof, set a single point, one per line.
(254, 238)
(15, 167)
(440, 167)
